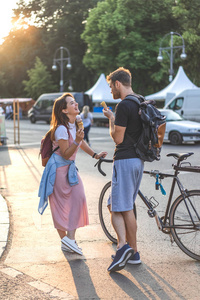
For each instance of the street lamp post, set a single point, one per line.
(61, 60)
(171, 54)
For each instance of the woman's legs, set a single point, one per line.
(70, 234)
(61, 233)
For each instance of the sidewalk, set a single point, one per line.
(33, 266)
(4, 224)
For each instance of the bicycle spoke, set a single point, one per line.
(185, 231)
(104, 214)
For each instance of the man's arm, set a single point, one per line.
(116, 132)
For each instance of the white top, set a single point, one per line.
(62, 134)
(86, 121)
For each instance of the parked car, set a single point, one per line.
(179, 130)
(42, 109)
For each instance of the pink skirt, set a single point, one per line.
(68, 203)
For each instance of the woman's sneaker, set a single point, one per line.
(66, 249)
(72, 245)
(133, 260)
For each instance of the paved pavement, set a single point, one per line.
(33, 267)
(4, 224)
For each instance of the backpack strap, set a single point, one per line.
(135, 98)
(55, 149)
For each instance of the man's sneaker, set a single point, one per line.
(121, 258)
(133, 260)
(72, 245)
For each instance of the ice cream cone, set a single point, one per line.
(79, 122)
(80, 125)
(103, 103)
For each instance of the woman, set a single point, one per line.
(67, 198)
(87, 121)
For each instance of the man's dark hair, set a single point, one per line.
(122, 75)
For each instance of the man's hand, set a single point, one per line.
(108, 113)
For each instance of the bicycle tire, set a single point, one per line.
(188, 240)
(104, 214)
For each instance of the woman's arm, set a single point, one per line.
(84, 146)
(67, 151)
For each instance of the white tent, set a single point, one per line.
(101, 91)
(180, 83)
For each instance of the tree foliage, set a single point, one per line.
(63, 24)
(127, 33)
(188, 15)
(17, 55)
(40, 80)
(100, 35)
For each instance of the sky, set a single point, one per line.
(5, 17)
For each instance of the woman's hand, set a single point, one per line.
(79, 135)
(101, 154)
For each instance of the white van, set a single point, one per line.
(186, 104)
(42, 109)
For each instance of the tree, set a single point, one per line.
(188, 15)
(127, 33)
(63, 24)
(40, 80)
(17, 55)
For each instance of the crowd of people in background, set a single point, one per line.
(8, 112)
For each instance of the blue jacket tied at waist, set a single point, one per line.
(49, 176)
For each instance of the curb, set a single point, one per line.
(4, 225)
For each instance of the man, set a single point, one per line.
(125, 127)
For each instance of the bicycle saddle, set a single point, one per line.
(180, 156)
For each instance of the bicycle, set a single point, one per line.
(181, 218)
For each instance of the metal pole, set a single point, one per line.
(61, 70)
(171, 72)
(169, 51)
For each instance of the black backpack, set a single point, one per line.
(148, 146)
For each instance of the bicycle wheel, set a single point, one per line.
(185, 233)
(104, 213)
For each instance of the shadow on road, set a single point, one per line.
(146, 284)
(82, 279)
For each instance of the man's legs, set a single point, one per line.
(131, 228)
(125, 226)
(120, 228)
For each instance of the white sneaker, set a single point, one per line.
(72, 245)
(66, 249)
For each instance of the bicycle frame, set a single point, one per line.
(162, 222)
(181, 216)
(152, 212)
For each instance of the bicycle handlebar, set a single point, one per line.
(99, 162)
(179, 156)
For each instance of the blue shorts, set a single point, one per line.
(126, 178)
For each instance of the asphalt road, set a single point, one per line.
(34, 250)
